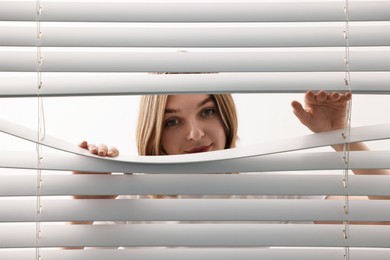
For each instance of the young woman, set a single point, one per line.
(178, 124)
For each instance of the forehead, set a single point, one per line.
(178, 101)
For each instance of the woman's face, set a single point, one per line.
(192, 124)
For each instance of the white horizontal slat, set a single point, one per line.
(357, 134)
(194, 34)
(194, 235)
(194, 11)
(200, 253)
(66, 210)
(276, 162)
(189, 184)
(23, 84)
(55, 59)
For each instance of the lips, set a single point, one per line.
(200, 149)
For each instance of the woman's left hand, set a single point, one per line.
(323, 111)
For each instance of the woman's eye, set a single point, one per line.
(208, 112)
(171, 122)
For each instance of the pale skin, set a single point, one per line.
(322, 111)
(192, 125)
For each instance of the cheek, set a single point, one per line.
(165, 141)
(219, 135)
(169, 142)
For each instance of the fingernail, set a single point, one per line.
(101, 152)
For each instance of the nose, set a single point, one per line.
(195, 131)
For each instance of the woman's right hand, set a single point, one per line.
(101, 150)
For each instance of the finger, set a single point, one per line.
(310, 97)
(113, 152)
(92, 148)
(321, 96)
(102, 150)
(297, 107)
(83, 144)
(299, 111)
(335, 96)
(346, 97)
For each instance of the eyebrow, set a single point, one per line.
(202, 103)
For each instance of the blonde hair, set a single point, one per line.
(151, 118)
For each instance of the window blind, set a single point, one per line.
(106, 48)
